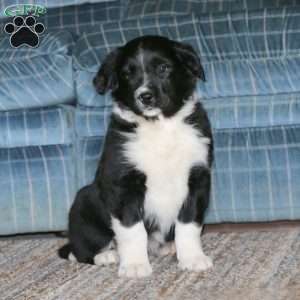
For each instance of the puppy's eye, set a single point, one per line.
(163, 68)
(126, 74)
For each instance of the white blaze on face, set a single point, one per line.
(144, 88)
(141, 59)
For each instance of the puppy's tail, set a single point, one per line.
(64, 251)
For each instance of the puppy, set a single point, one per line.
(152, 185)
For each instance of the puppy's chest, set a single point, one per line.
(165, 151)
(164, 146)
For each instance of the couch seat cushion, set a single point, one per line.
(37, 188)
(255, 175)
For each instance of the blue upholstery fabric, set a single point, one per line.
(255, 174)
(251, 95)
(148, 8)
(38, 169)
(91, 122)
(251, 62)
(37, 77)
(77, 19)
(254, 111)
(37, 188)
(54, 43)
(89, 151)
(46, 3)
(53, 123)
(36, 127)
(225, 113)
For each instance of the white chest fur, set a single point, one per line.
(165, 150)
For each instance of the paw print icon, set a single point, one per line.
(24, 31)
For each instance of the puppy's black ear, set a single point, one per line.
(189, 58)
(106, 78)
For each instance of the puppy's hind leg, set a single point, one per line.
(89, 225)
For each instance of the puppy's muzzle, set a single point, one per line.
(147, 99)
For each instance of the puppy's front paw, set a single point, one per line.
(196, 263)
(135, 270)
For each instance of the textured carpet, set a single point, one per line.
(247, 265)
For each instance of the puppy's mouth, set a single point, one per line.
(151, 112)
(148, 110)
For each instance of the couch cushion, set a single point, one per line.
(244, 54)
(231, 113)
(256, 175)
(37, 188)
(91, 122)
(89, 150)
(254, 111)
(37, 77)
(255, 168)
(44, 126)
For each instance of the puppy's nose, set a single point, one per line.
(146, 98)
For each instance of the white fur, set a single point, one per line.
(188, 247)
(144, 87)
(142, 63)
(140, 90)
(106, 257)
(152, 112)
(165, 150)
(72, 257)
(132, 249)
(125, 114)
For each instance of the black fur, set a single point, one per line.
(124, 75)
(119, 189)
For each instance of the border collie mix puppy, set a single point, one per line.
(153, 182)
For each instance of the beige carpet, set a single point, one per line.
(247, 265)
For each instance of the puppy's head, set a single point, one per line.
(150, 75)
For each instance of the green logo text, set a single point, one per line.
(24, 10)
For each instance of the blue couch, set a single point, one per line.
(52, 122)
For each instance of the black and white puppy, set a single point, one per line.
(152, 185)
